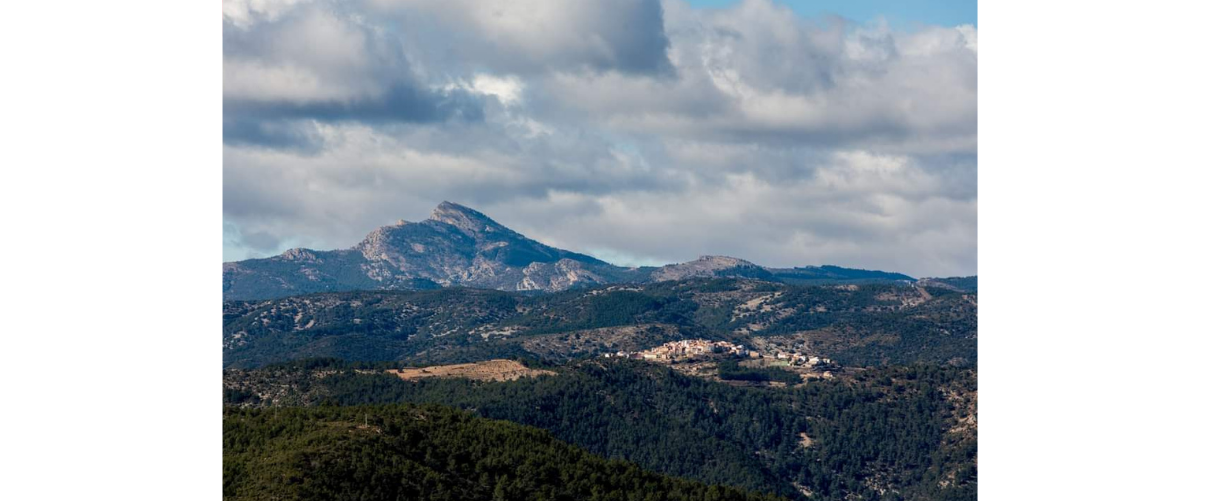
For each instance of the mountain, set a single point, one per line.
(455, 246)
(710, 267)
(458, 246)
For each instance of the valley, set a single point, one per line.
(716, 376)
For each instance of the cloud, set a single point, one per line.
(508, 90)
(641, 131)
(855, 209)
(366, 176)
(533, 36)
(757, 73)
(245, 13)
(314, 63)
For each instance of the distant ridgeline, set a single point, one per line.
(458, 246)
(855, 325)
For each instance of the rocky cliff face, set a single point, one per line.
(456, 246)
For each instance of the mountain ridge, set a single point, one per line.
(460, 246)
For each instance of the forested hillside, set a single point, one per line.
(866, 324)
(878, 434)
(891, 417)
(424, 452)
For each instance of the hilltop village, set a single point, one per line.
(692, 349)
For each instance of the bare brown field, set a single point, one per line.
(490, 370)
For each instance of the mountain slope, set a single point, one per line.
(866, 324)
(906, 430)
(959, 284)
(458, 246)
(455, 246)
(423, 453)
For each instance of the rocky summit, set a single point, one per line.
(458, 246)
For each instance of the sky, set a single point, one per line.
(901, 13)
(641, 132)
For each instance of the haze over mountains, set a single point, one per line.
(458, 246)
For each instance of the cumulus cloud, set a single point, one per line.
(508, 90)
(365, 176)
(245, 13)
(527, 36)
(316, 63)
(757, 73)
(640, 131)
(859, 209)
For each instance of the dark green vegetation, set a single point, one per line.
(961, 284)
(360, 325)
(815, 275)
(857, 325)
(731, 370)
(305, 425)
(902, 428)
(425, 452)
(884, 433)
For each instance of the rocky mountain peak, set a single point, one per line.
(705, 266)
(299, 254)
(466, 219)
(722, 261)
(458, 246)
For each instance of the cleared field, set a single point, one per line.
(490, 370)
